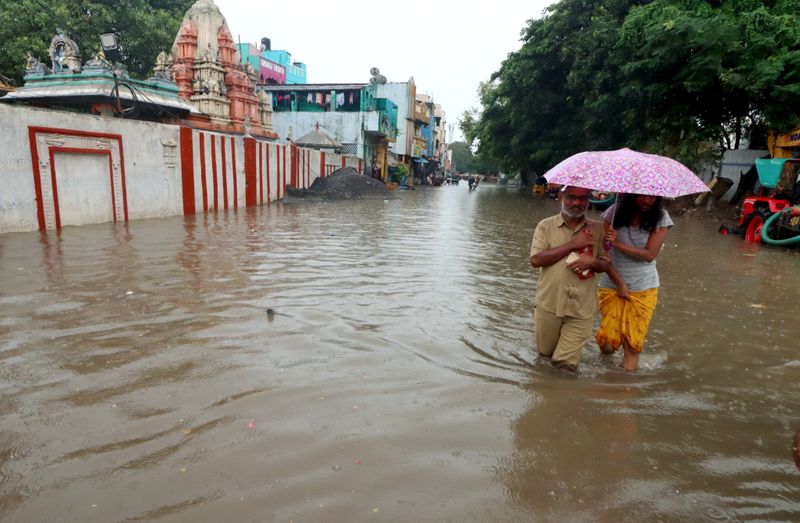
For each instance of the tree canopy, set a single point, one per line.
(678, 77)
(465, 161)
(145, 28)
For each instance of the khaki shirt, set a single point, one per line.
(559, 289)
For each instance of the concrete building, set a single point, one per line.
(363, 118)
(440, 140)
(269, 72)
(275, 66)
(295, 71)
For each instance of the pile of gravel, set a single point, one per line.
(344, 184)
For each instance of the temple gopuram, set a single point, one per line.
(210, 74)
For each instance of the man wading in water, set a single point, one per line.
(569, 250)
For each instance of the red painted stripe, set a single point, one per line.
(283, 185)
(344, 164)
(37, 182)
(214, 170)
(293, 167)
(250, 172)
(55, 189)
(71, 132)
(203, 170)
(224, 174)
(260, 174)
(187, 170)
(111, 179)
(233, 163)
(123, 181)
(322, 164)
(266, 146)
(278, 171)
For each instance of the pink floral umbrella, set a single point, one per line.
(626, 171)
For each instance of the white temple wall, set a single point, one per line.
(60, 169)
(84, 162)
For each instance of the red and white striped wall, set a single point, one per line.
(62, 168)
(221, 172)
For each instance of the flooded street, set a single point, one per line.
(143, 380)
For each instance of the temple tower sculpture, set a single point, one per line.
(210, 73)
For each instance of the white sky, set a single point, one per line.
(447, 46)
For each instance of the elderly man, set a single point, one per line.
(569, 250)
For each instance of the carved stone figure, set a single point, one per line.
(94, 64)
(213, 86)
(34, 67)
(163, 68)
(65, 55)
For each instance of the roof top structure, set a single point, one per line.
(69, 83)
(316, 139)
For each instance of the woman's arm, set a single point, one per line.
(651, 250)
(619, 283)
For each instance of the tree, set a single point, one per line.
(711, 71)
(549, 99)
(145, 28)
(665, 76)
(462, 157)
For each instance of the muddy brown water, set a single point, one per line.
(142, 379)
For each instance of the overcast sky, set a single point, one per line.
(447, 46)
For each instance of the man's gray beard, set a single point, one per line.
(570, 213)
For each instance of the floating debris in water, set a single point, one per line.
(252, 424)
(270, 313)
(757, 305)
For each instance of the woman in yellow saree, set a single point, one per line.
(635, 227)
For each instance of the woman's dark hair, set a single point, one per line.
(626, 210)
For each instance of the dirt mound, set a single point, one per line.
(347, 184)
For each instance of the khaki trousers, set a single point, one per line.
(561, 339)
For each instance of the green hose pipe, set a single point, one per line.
(765, 235)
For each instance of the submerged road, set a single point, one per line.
(142, 379)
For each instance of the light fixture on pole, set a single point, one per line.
(110, 47)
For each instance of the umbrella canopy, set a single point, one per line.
(626, 171)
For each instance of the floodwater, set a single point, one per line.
(143, 380)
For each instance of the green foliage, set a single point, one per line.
(145, 28)
(666, 76)
(466, 162)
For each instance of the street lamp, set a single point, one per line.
(110, 46)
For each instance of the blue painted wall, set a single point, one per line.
(295, 74)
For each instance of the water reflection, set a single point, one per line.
(142, 378)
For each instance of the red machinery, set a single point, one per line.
(779, 190)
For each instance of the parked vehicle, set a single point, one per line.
(766, 216)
